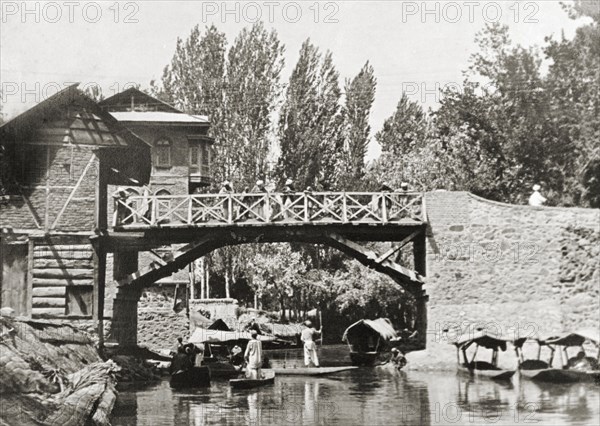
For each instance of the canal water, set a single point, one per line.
(362, 397)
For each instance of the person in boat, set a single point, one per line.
(178, 346)
(253, 357)
(398, 358)
(580, 362)
(310, 347)
(199, 354)
(237, 357)
(253, 325)
(181, 361)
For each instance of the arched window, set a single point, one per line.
(163, 153)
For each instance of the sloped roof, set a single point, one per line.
(381, 326)
(122, 100)
(484, 339)
(90, 126)
(159, 117)
(576, 339)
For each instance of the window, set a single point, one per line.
(163, 153)
(194, 155)
(205, 163)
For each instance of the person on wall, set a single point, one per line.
(308, 336)
(536, 199)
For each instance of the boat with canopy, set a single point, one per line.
(217, 349)
(580, 367)
(469, 366)
(369, 340)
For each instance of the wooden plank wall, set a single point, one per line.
(56, 267)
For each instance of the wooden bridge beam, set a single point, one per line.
(408, 279)
(157, 270)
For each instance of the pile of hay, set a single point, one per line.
(52, 374)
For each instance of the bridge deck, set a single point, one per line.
(138, 213)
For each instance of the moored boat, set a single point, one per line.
(482, 369)
(192, 377)
(268, 379)
(570, 369)
(217, 349)
(369, 341)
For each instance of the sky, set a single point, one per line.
(414, 46)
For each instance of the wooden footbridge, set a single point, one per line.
(205, 222)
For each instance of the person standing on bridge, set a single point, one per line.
(226, 189)
(288, 198)
(261, 210)
(310, 347)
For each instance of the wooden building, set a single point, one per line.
(54, 158)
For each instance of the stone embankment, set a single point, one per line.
(51, 374)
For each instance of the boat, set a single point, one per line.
(191, 378)
(369, 341)
(580, 368)
(308, 371)
(482, 369)
(268, 379)
(217, 344)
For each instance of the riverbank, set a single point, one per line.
(52, 374)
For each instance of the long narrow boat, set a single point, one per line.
(193, 377)
(268, 379)
(320, 371)
(482, 369)
(575, 369)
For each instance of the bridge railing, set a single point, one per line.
(301, 207)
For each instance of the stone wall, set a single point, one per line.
(517, 269)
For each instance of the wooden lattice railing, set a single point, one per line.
(268, 208)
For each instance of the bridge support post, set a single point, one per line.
(421, 319)
(125, 305)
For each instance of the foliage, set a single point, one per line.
(253, 86)
(277, 274)
(360, 95)
(310, 121)
(363, 293)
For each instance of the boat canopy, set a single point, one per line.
(203, 335)
(481, 338)
(576, 339)
(381, 327)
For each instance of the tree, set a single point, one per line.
(277, 273)
(310, 122)
(360, 94)
(193, 81)
(254, 65)
(405, 130)
(573, 85)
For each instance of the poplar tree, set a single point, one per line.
(360, 94)
(310, 121)
(252, 90)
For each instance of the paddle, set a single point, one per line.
(321, 326)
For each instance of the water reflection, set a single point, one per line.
(365, 396)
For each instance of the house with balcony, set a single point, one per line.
(52, 156)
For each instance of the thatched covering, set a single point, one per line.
(51, 374)
(381, 327)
